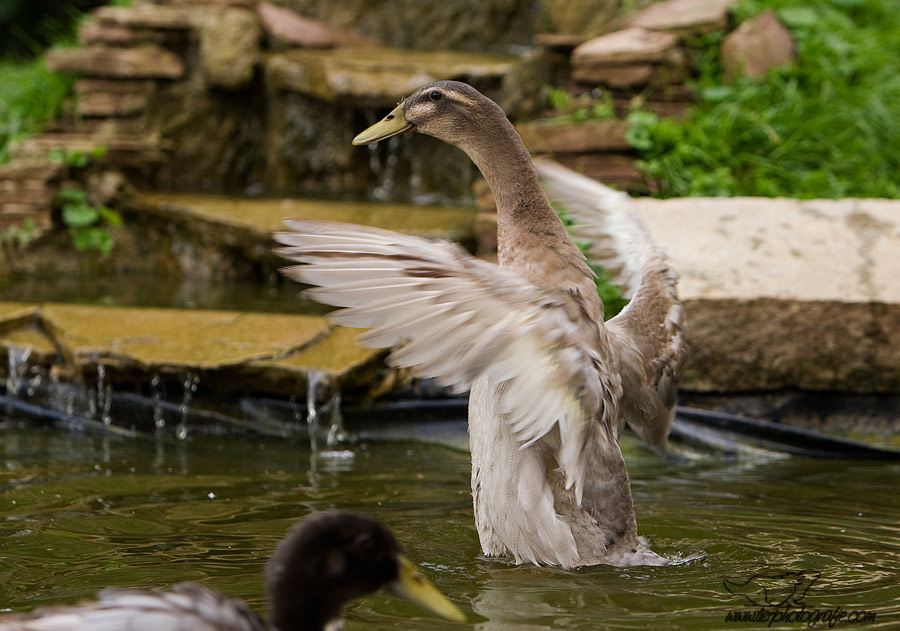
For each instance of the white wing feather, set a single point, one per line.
(454, 318)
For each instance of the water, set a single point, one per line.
(79, 512)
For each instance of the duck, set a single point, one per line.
(325, 560)
(551, 384)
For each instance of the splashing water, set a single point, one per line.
(336, 434)
(18, 368)
(159, 420)
(191, 383)
(104, 395)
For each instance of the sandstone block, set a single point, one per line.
(229, 48)
(290, 29)
(151, 16)
(608, 135)
(147, 61)
(684, 17)
(93, 32)
(628, 46)
(756, 46)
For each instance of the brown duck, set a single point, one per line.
(550, 382)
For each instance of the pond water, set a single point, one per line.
(81, 511)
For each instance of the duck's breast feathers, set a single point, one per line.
(455, 318)
(187, 607)
(649, 330)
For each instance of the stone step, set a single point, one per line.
(151, 16)
(684, 17)
(258, 218)
(381, 76)
(551, 137)
(95, 32)
(119, 150)
(146, 61)
(263, 352)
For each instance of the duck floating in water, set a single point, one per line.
(324, 561)
(550, 383)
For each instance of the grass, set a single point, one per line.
(826, 126)
(30, 97)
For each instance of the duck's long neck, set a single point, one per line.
(523, 211)
(531, 239)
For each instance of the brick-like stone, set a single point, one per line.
(147, 61)
(103, 104)
(288, 28)
(230, 48)
(93, 32)
(684, 17)
(756, 46)
(150, 16)
(608, 135)
(628, 46)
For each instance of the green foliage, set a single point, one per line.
(826, 126)
(30, 97)
(77, 158)
(610, 294)
(19, 236)
(89, 225)
(577, 109)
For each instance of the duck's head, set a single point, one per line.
(452, 111)
(332, 557)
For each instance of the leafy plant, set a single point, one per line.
(30, 97)
(19, 235)
(597, 105)
(826, 126)
(89, 225)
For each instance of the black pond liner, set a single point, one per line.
(716, 430)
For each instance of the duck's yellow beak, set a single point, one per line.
(391, 125)
(412, 585)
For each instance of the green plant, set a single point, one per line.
(89, 225)
(598, 105)
(30, 97)
(19, 236)
(610, 294)
(827, 125)
(77, 158)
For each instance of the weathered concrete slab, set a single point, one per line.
(784, 293)
(261, 217)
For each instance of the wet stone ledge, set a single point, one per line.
(47, 349)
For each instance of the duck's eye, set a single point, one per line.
(435, 95)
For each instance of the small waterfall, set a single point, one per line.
(18, 369)
(385, 171)
(191, 383)
(104, 395)
(159, 420)
(336, 435)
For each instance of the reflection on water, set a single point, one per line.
(79, 512)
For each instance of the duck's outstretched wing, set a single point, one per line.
(452, 317)
(186, 607)
(649, 329)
